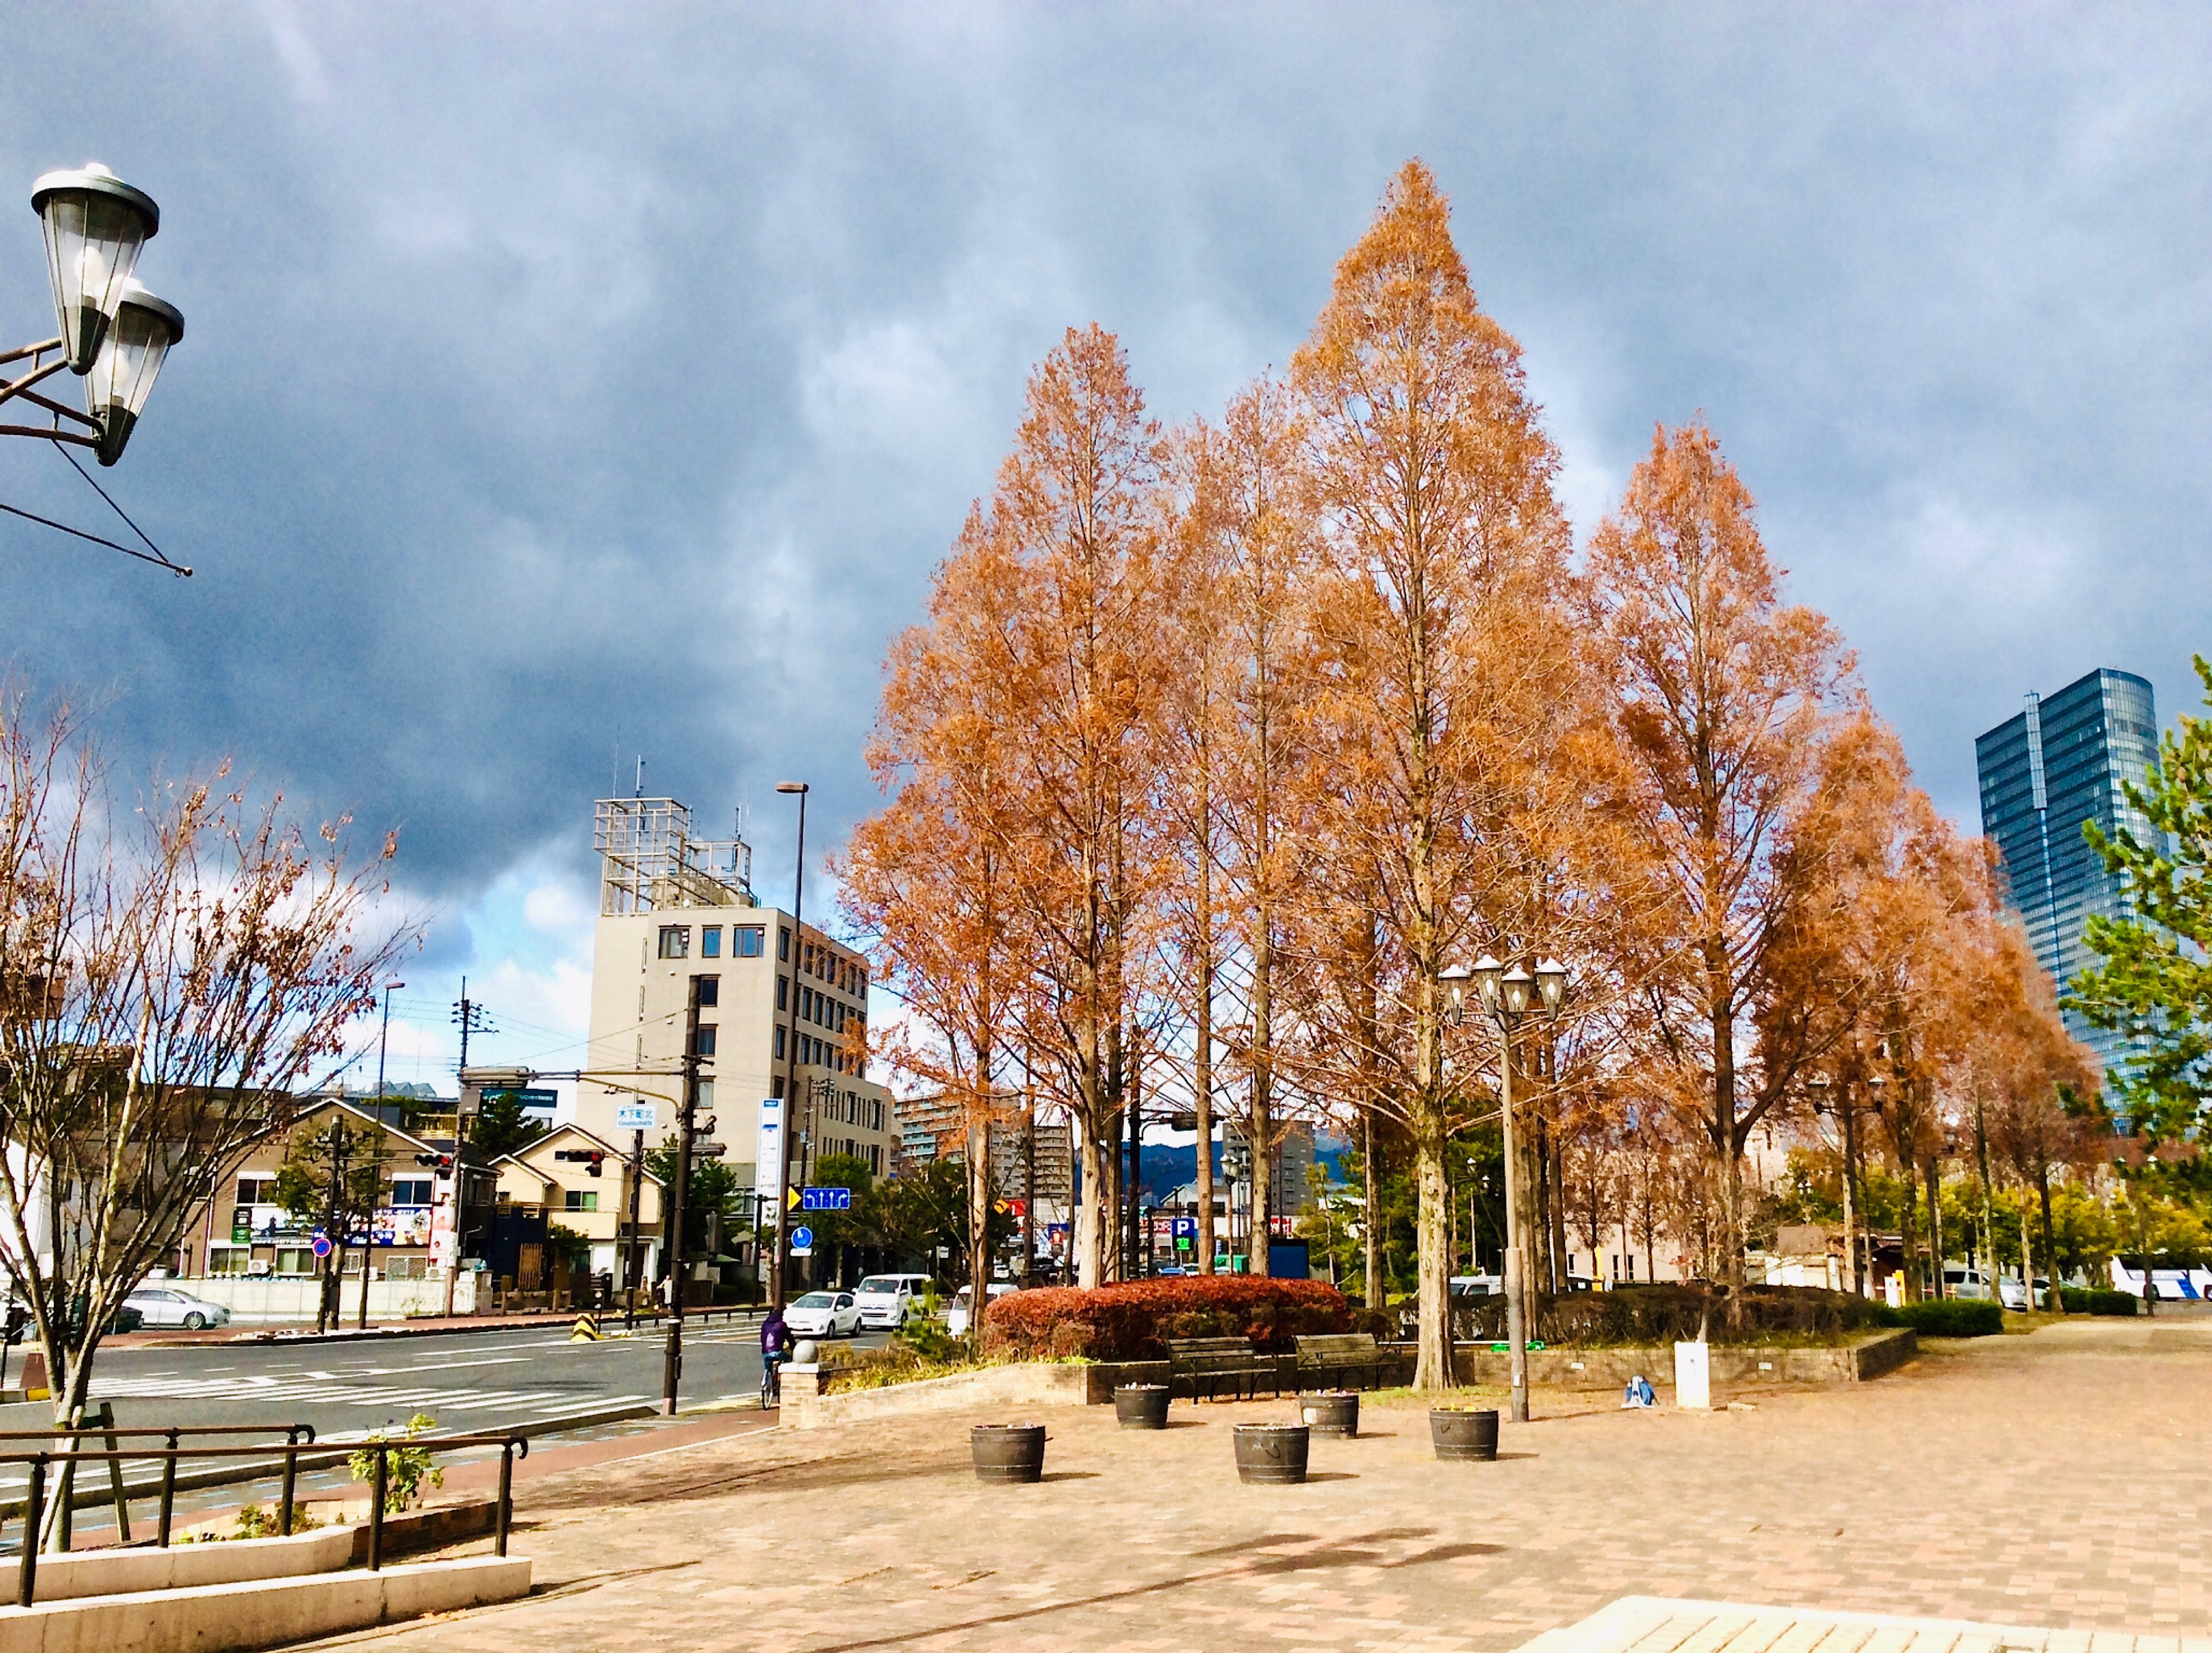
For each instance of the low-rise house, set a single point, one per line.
(583, 1184)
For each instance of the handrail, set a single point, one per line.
(512, 1444)
(304, 1432)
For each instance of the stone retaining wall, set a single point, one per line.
(1866, 1357)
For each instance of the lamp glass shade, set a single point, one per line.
(1551, 983)
(1518, 990)
(122, 378)
(1487, 971)
(96, 224)
(1453, 979)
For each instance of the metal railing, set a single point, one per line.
(512, 1445)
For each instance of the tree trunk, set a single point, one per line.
(1432, 1372)
(1202, 1075)
(1936, 1227)
(979, 1223)
(1728, 1145)
(2050, 1246)
(1091, 1159)
(1261, 1134)
(1370, 1227)
(1908, 1236)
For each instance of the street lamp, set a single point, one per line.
(799, 790)
(115, 333)
(1507, 997)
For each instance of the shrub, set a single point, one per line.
(1947, 1318)
(1133, 1321)
(2099, 1302)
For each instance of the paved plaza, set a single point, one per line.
(2062, 1479)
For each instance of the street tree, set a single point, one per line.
(333, 1177)
(173, 976)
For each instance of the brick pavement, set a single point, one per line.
(2060, 1479)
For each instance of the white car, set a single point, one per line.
(162, 1305)
(885, 1300)
(824, 1314)
(956, 1318)
(2013, 1294)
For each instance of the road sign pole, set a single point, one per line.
(633, 1260)
(672, 1366)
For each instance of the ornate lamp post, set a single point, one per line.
(1506, 996)
(115, 333)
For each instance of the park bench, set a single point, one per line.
(1209, 1364)
(1333, 1358)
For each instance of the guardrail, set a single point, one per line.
(512, 1445)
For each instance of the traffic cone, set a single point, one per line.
(586, 1330)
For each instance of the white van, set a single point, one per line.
(886, 1300)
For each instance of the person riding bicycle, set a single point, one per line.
(775, 1349)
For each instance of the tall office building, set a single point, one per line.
(673, 907)
(2058, 764)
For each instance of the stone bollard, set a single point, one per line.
(802, 1395)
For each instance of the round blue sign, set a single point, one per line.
(321, 1247)
(803, 1238)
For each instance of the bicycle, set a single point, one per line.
(771, 1392)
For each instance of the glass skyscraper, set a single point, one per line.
(2045, 773)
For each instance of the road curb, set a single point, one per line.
(468, 1329)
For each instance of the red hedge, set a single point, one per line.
(1133, 1321)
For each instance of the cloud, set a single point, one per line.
(567, 387)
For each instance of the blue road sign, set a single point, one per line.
(825, 1200)
(321, 1245)
(1186, 1228)
(802, 1239)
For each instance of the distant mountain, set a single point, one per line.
(1169, 1166)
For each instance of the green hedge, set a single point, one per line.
(2099, 1302)
(1947, 1318)
(1672, 1313)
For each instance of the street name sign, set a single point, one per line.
(637, 1116)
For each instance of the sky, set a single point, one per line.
(565, 384)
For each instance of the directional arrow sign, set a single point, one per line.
(827, 1199)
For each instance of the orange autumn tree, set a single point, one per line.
(925, 880)
(1441, 649)
(1739, 722)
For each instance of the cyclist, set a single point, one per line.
(775, 1348)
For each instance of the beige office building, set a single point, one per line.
(673, 908)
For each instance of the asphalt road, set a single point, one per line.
(529, 1379)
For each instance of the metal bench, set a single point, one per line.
(1209, 1364)
(1333, 1357)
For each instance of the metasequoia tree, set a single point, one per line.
(1440, 556)
(172, 979)
(925, 879)
(1055, 596)
(1733, 710)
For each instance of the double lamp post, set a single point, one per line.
(113, 334)
(1507, 998)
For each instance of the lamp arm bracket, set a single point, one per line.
(60, 408)
(16, 387)
(48, 434)
(40, 349)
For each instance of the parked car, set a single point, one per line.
(165, 1305)
(2013, 1294)
(1476, 1286)
(956, 1318)
(1965, 1282)
(824, 1314)
(885, 1300)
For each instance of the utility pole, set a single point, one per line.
(472, 1018)
(384, 1035)
(631, 1273)
(790, 1043)
(671, 1368)
(326, 1315)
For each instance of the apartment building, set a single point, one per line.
(777, 1001)
(930, 1127)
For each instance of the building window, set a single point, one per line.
(228, 1262)
(704, 1044)
(778, 1046)
(295, 1260)
(710, 989)
(411, 1191)
(782, 945)
(710, 941)
(581, 1199)
(776, 1086)
(675, 941)
(257, 1191)
(782, 992)
(746, 941)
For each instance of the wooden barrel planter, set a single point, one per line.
(1331, 1412)
(1141, 1406)
(1007, 1452)
(1271, 1454)
(1464, 1435)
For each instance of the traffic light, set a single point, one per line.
(590, 1158)
(443, 1163)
